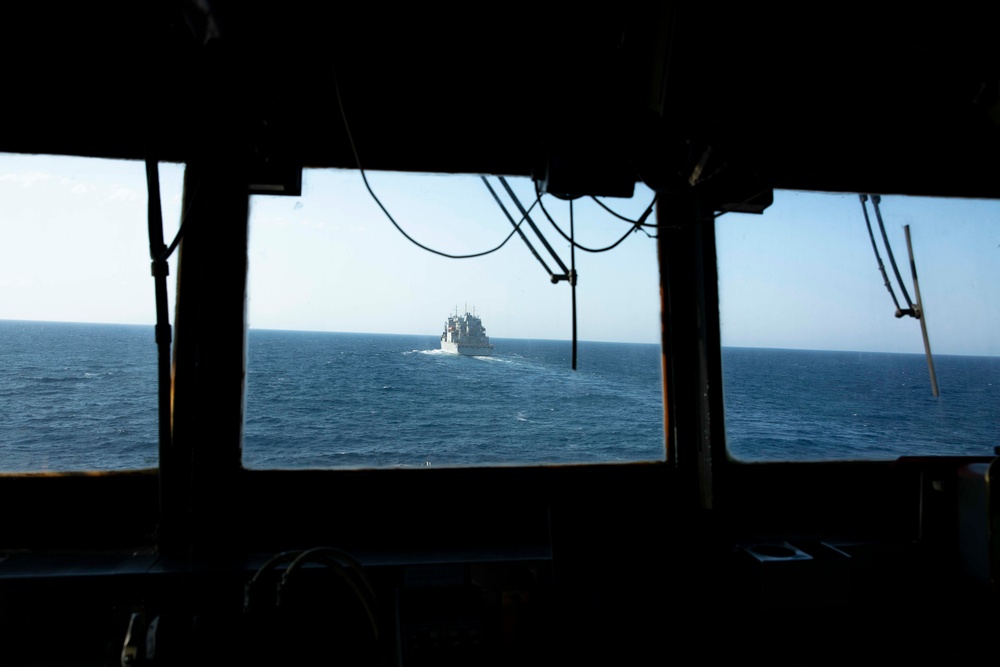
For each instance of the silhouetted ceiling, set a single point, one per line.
(809, 99)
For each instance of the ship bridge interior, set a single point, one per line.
(636, 563)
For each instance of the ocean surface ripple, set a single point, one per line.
(83, 397)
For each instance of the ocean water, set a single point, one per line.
(375, 400)
(822, 405)
(82, 397)
(77, 397)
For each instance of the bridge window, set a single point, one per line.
(816, 365)
(78, 359)
(345, 359)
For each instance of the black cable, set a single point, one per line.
(162, 333)
(364, 177)
(574, 244)
(169, 250)
(531, 223)
(251, 586)
(339, 561)
(888, 250)
(517, 226)
(881, 266)
(642, 219)
(348, 569)
(639, 224)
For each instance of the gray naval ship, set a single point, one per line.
(465, 334)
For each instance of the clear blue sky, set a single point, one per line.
(802, 275)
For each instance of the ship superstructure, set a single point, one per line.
(465, 334)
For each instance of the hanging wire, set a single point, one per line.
(364, 177)
(517, 227)
(337, 561)
(878, 257)
(169, 250)
(162, 333)
(641, 222)
(914, 310)
(250, 594)
(570, 273)
(574, 244)
(637, 224)
(349, 570)
(531, 223)
(888, 250)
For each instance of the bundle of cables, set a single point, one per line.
(320, 607)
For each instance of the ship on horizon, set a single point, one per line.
(465, 334)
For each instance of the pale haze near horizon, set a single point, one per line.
(801, 276)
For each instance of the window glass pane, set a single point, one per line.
(345, 361)
(817, 366)
(78, 359)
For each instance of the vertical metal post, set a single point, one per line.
(688, 284)
(919, 307)
(572, 275)
(210, 356)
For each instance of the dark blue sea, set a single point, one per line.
(82, 397)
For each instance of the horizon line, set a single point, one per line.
(554, 340)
